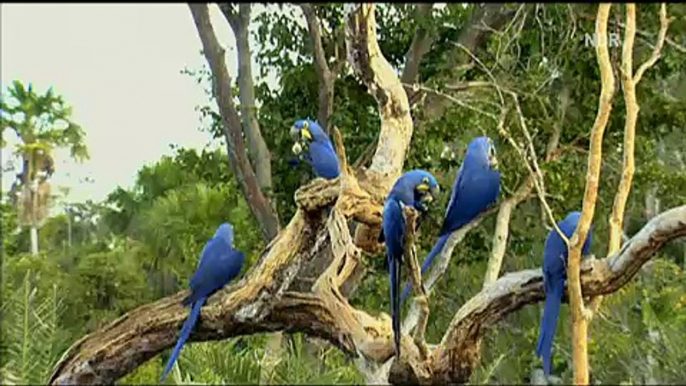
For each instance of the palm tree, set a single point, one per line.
(42, 123)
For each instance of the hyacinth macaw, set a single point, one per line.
(477, 187)
(219, 264)
(416, 188)
(554, 279)
(308, 135)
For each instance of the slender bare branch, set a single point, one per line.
(421, 43)
(664, 24)
(231, 124)
(459, 349)
(410, 257)
(579, 313)
(629, 83)
(440, 266)
(325, 75)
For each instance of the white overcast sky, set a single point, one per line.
(118, 66)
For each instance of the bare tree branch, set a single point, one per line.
(421, 43)
(664, 24)
(261, 302)
(522, 193)
(231, 125)
(259, 154)
(326, 77)
(440, 266)
(629, 82)
(377, 74)
(580, 315)
(459, 346)
(415, 274)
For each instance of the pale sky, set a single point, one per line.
(118, 66)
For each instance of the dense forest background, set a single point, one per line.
(98, 260)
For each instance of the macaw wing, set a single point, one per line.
(210, 266)
(394, 229)
(324, 160)
(474, 192)
(454, 198)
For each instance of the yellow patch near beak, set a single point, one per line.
(423, 187)
(305, 133)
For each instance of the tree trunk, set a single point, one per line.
(34, 240)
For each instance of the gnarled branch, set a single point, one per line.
(459, 347)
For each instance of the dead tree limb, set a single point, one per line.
(261, 302)
(579, 313)
(326, 77)
(502, 226)
(421, 43)
(629, 82)
(458, 352)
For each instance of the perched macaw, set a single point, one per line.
(308, 135)
(477, 187)
(219, 264)
(554, 279)
(416, 188)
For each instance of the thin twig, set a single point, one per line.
(416, 277)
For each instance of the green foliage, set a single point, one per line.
(32, 339)
(41, 119)
(239, 361)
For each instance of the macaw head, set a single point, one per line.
(418, 188)
(481, 152)
(304, 132)
(225, 232)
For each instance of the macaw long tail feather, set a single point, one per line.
(427, 263)
(395, 303)
(551, 312)
(185, 333)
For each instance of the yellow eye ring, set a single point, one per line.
(425, 180)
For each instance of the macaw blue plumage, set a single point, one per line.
(320, 151)
(219, 264)
(416, 188)
(477, 187)
(554, 279)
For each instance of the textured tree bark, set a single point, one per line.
(629, 88)
(261, 302)
(259, 154)
(327, 78)
(231, 125)
(421, 43)
(579, 313)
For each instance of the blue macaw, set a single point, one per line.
(308, 135)
(477, 187)
(416, 188)
(219, 264)
(554, 279)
